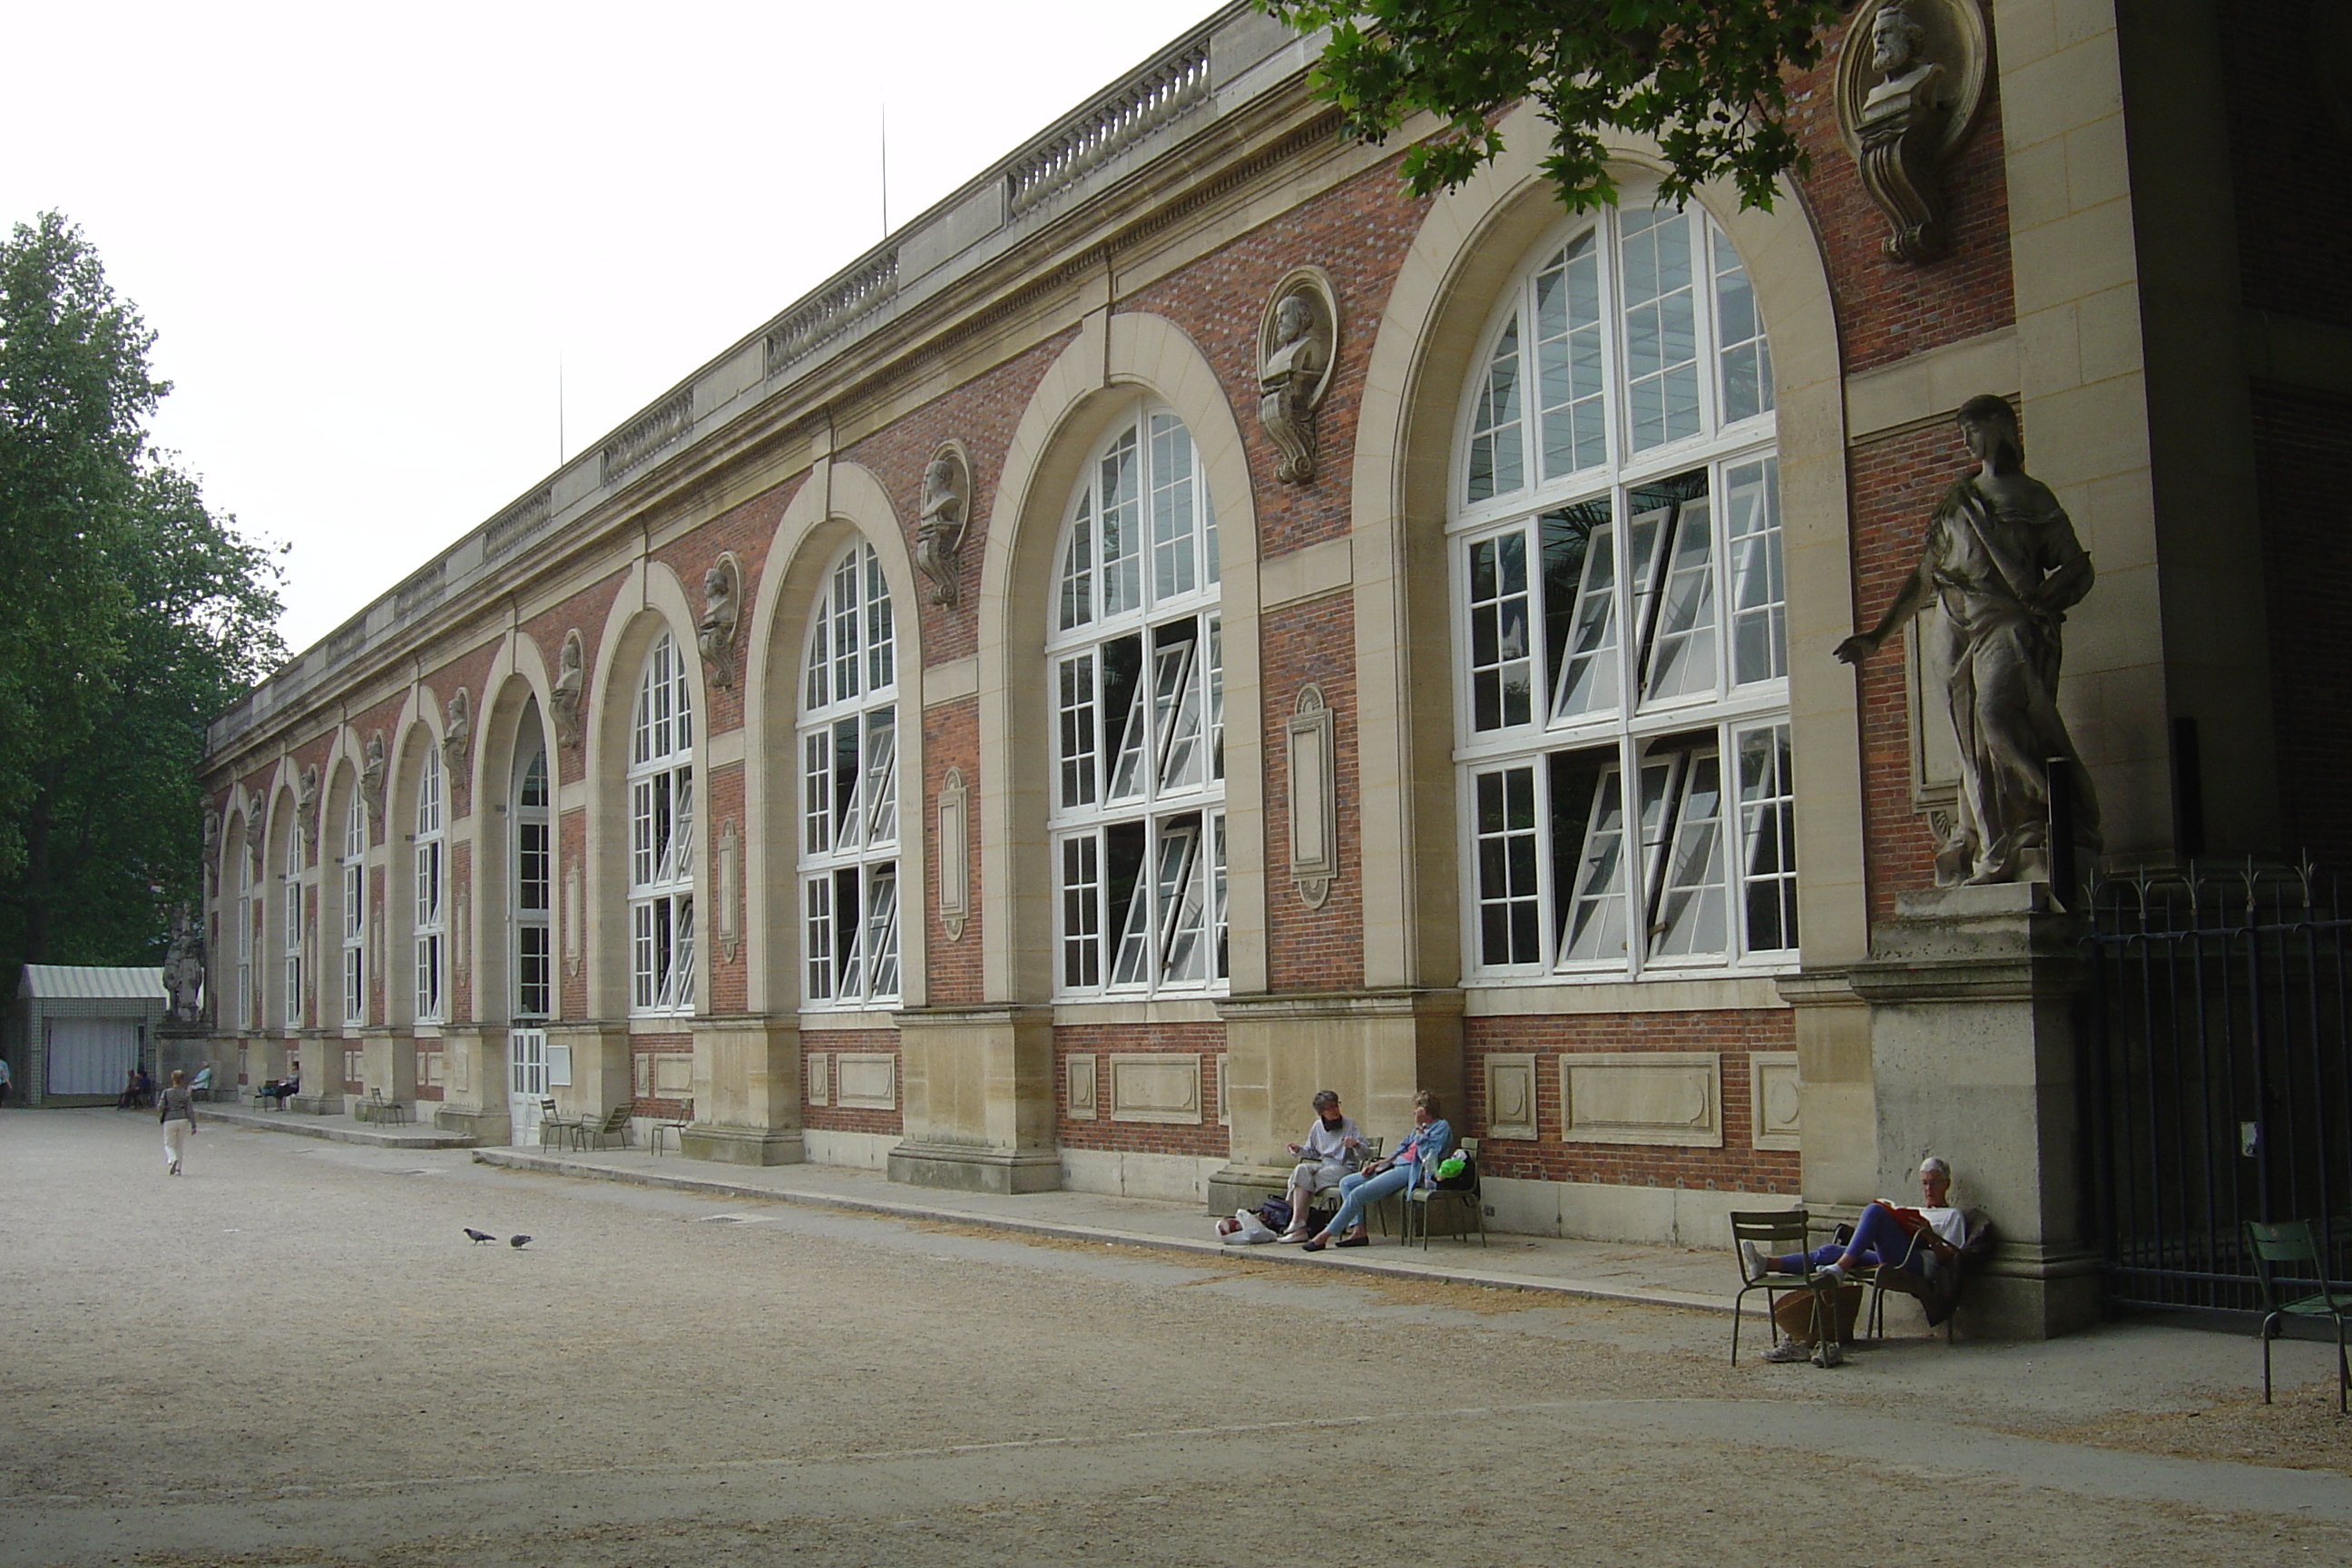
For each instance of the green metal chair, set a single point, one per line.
(1468, 1199)
(1776, 1233)
(2290, 1242)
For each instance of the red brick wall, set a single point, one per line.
(1309, 949)
(1204, 1040)
(748, 530)
(1735, 1167)
(1358, 232)
(584, 611)
(834, 1118)
(2302, 450)
(2290, 160)
(1888, 309)
(644, 1050)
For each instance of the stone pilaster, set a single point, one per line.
(599, 1057)
(323, 1074)
(1971, 994)
(747, 1092)
(474, 1082)
(1374, 1048)
(388, 1062)
(978, 1099)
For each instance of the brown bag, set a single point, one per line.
(1795, 1310)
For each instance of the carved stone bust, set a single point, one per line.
(1298, 338)
(722, 611)
(938, 530)
(457, 730)
(1910, 81)
(571, 682)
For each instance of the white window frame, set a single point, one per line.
(353, 867)
(531, 905)
(1561, 681)
(429, 907)
(661, 850)
(248, 1001)
(1137, 825)
(290, 928)
(848, 748)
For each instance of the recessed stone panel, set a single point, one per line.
(820, 1079)
(1164, 1085)
(866, 1081)
(1511, 1095)
(1774, 1097)
(1081, 1071)
(1672, 1097)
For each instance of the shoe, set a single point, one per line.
(1829, 1354)
(1353, 1241)
(1829, 1277)
(1787, 1352)
(1314, 1246)
(1291, 1237)
(1752, 1259)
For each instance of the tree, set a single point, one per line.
(1705, 78)
(134, 616)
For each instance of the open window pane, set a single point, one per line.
(1588, 805)
(1580, 569)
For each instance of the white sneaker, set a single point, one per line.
(1752, 1259)
(1830, 1354)
(1828, 1276)
(1787, 1352)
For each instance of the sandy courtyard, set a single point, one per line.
(291, 1355)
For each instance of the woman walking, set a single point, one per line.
(177, 1110)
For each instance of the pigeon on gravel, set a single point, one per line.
(516, 1241)
(478, 1236)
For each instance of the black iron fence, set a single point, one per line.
(2217, 1078)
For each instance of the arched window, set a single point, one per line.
(1135, 655)
(534, 860)
(661, 835)
(428, 929)
(291, 946)
(249, 999)
(1619, 619)
(849, 789)
(354, 870)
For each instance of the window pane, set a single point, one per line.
(1745, 356)
(1495, 458)
(1176, 716)
(882, 931)
(1661, 328)
(881, 647)
(1502, 667)
(1076, 731)
(1174, 567)
(881, 784)
(1580, 569)
(1760, 615)
(817, 937)
(1081, 913)
(1509, 894)
(1120, 539)
(1078, 571)
(1129, 909)
(1767, 836)
(1181, 893)
(1690, 915)
(1589, 799)
(1125, 696)
(1569, 356)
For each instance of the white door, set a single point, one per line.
(90, 1056)
(526, 1082)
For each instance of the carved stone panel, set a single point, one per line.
(1160, 1085)
(820, 1079)
(1774, 1097)
(866, 1081)
(1314, 799)
(1511, 1095)
(1080, 1072)
(955, 890)
(673, 1075)
(1667, 1098)
(730, 860)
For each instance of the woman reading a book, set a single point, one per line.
(1888, 1235)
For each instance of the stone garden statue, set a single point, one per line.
(183, 966)
(2002, 561)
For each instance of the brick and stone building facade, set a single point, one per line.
(1069, 821)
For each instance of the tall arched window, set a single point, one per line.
(1619, 621)
(534, 863)
(1135, 652)
(428, 929)
(849, 789)
(661, 835)
(291, 927)
(354, 871)
(249, 998)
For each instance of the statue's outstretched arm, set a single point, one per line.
(1909, 600)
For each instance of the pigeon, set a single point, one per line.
(478, 1236)
(516, 1241)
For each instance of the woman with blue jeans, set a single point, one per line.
(1412, 1164)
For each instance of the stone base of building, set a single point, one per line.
(1245, 1187)
(2031, 1293)
(742, 1145)
(976, 1170)
(316, 1104)
(488, 1128)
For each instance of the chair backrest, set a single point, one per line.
(546, 1108)
(620, 1116)
(1774, 1231)
(1372, 1146)
(2285, 1241)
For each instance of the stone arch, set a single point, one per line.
(339, 790)
(282, 1013)
(651, 601)
(1470, 243)
(1089, 384)
(839, 503)
(417, 728)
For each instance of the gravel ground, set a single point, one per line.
(291, 1355)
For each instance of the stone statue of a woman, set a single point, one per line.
(2003, 560)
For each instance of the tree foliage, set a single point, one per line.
(1704, 78)
(133, 615)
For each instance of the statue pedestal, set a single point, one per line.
(184, 1047)
(1972, 995)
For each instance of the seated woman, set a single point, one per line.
(281, 1090)
(1414, 1165)
(1920, 1240)
(1323, 1158)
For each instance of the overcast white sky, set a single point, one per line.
(365, 238)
